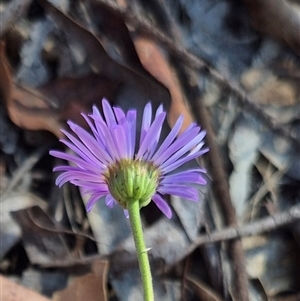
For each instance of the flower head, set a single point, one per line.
(108, 164)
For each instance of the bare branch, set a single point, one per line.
(263, 225)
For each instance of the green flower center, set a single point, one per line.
(130, 180)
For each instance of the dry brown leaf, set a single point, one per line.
(278, 18)
(91, 286)
(28, 108)
(25, 105)
(44, 108)
(156, 64)
(10, 232)
(11, 291)
(45, 241)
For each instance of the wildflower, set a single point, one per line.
(108, 164)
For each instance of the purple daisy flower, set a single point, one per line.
(106, 163)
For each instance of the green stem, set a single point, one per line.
(141, 250)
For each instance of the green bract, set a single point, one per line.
(132, 180)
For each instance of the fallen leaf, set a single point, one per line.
(44, 240)
(11, 291)
(10, 231)
(91, 286)
(45, 108)
(156, 64)
(28, 108)
(263, 255)
(23, 103)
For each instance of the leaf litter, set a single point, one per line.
(68, 57)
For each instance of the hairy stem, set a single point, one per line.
(141, 250)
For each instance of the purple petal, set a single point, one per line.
(99, 122)
(184, 177)
(78, 147)
(131, 132)
(149, 139)
(170, 138)
(96, 113)
(78, 178)
(181, 141)
(159, 110)
(183, 160)
(110, 201)
(64, 168)
(156, 139)
(182, 151)
(79, 173)
(70, 176)
(146, 121)
(120, 141)
(74, 169)
(84, 154)
(62, 179)
(92, 186)
(78, 161)
(119, 113)
(91, 202)
(93, 190)
(91, 143)
(197, 148)
(181, 191)
(111, 146)
(162, 205)
(108, 113)
(126, 213)
(98, 135)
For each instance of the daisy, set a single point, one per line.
(108, 162)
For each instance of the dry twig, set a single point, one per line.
(260, 226)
